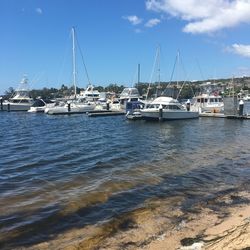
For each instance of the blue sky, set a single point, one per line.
(115, 35)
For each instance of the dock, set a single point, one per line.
(220, 115)
(214, 115)
(239, 117)
(104, 113)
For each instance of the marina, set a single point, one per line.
(124, 125)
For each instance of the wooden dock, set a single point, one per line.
(104, 113)
(239, 117)
(220, 115)
(214, 115)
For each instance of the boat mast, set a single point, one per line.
(178, 61)
(74, 60)
(139, 72)
(159, 71)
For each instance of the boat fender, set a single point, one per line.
(188, 105)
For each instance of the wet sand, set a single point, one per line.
(222, 222)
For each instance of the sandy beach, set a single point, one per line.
(223, 222)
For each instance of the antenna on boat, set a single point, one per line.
(74, 59)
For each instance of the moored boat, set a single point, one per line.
(167, 108)
(208, 103)
(21, 101)
(72, 107)
(40, 105)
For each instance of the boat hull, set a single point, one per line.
(168, 115)
(76, 109)
(16, 106)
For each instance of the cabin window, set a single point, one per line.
(175, 107)
(206, 100)
(198, 100)
(133, 99)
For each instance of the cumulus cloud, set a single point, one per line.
(240, 49)
(152, 22)
(134, 20)
(204, 16)
(39, 11)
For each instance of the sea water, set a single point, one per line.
(63, 172)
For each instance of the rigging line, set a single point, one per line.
(172, 74)
(199, 67)
(186, 80)
(152, 72)
(85, 68)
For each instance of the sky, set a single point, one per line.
(211, 37)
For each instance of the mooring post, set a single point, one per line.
(241, 107)
(1, 101)
(160, 113)
(188, 105)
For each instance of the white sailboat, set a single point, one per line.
(75, 106)
(168, 108)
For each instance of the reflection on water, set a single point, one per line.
(65, 172)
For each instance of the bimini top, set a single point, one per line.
(129, 92)
(164, 100)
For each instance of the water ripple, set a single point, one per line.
(67, 171)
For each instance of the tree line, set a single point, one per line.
(182, 90)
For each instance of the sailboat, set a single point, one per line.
(74, 106)
(167, 108)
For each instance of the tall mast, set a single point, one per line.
(159, 71)
(178, 61)
(139, 72)
(74, 60)
(159, 66)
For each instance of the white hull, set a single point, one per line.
(36, 110)
(208, 104)
(16, 106)
(72, 109)
(212, 108)
(168, 114)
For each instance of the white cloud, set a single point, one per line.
(39, 11)
(138, 31)
(240, 49)
(152, 22)
(204, 16)
(134, 20)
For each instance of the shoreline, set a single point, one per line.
(223, 222)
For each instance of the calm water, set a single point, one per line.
(60, 172)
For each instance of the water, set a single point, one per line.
(63, 172)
